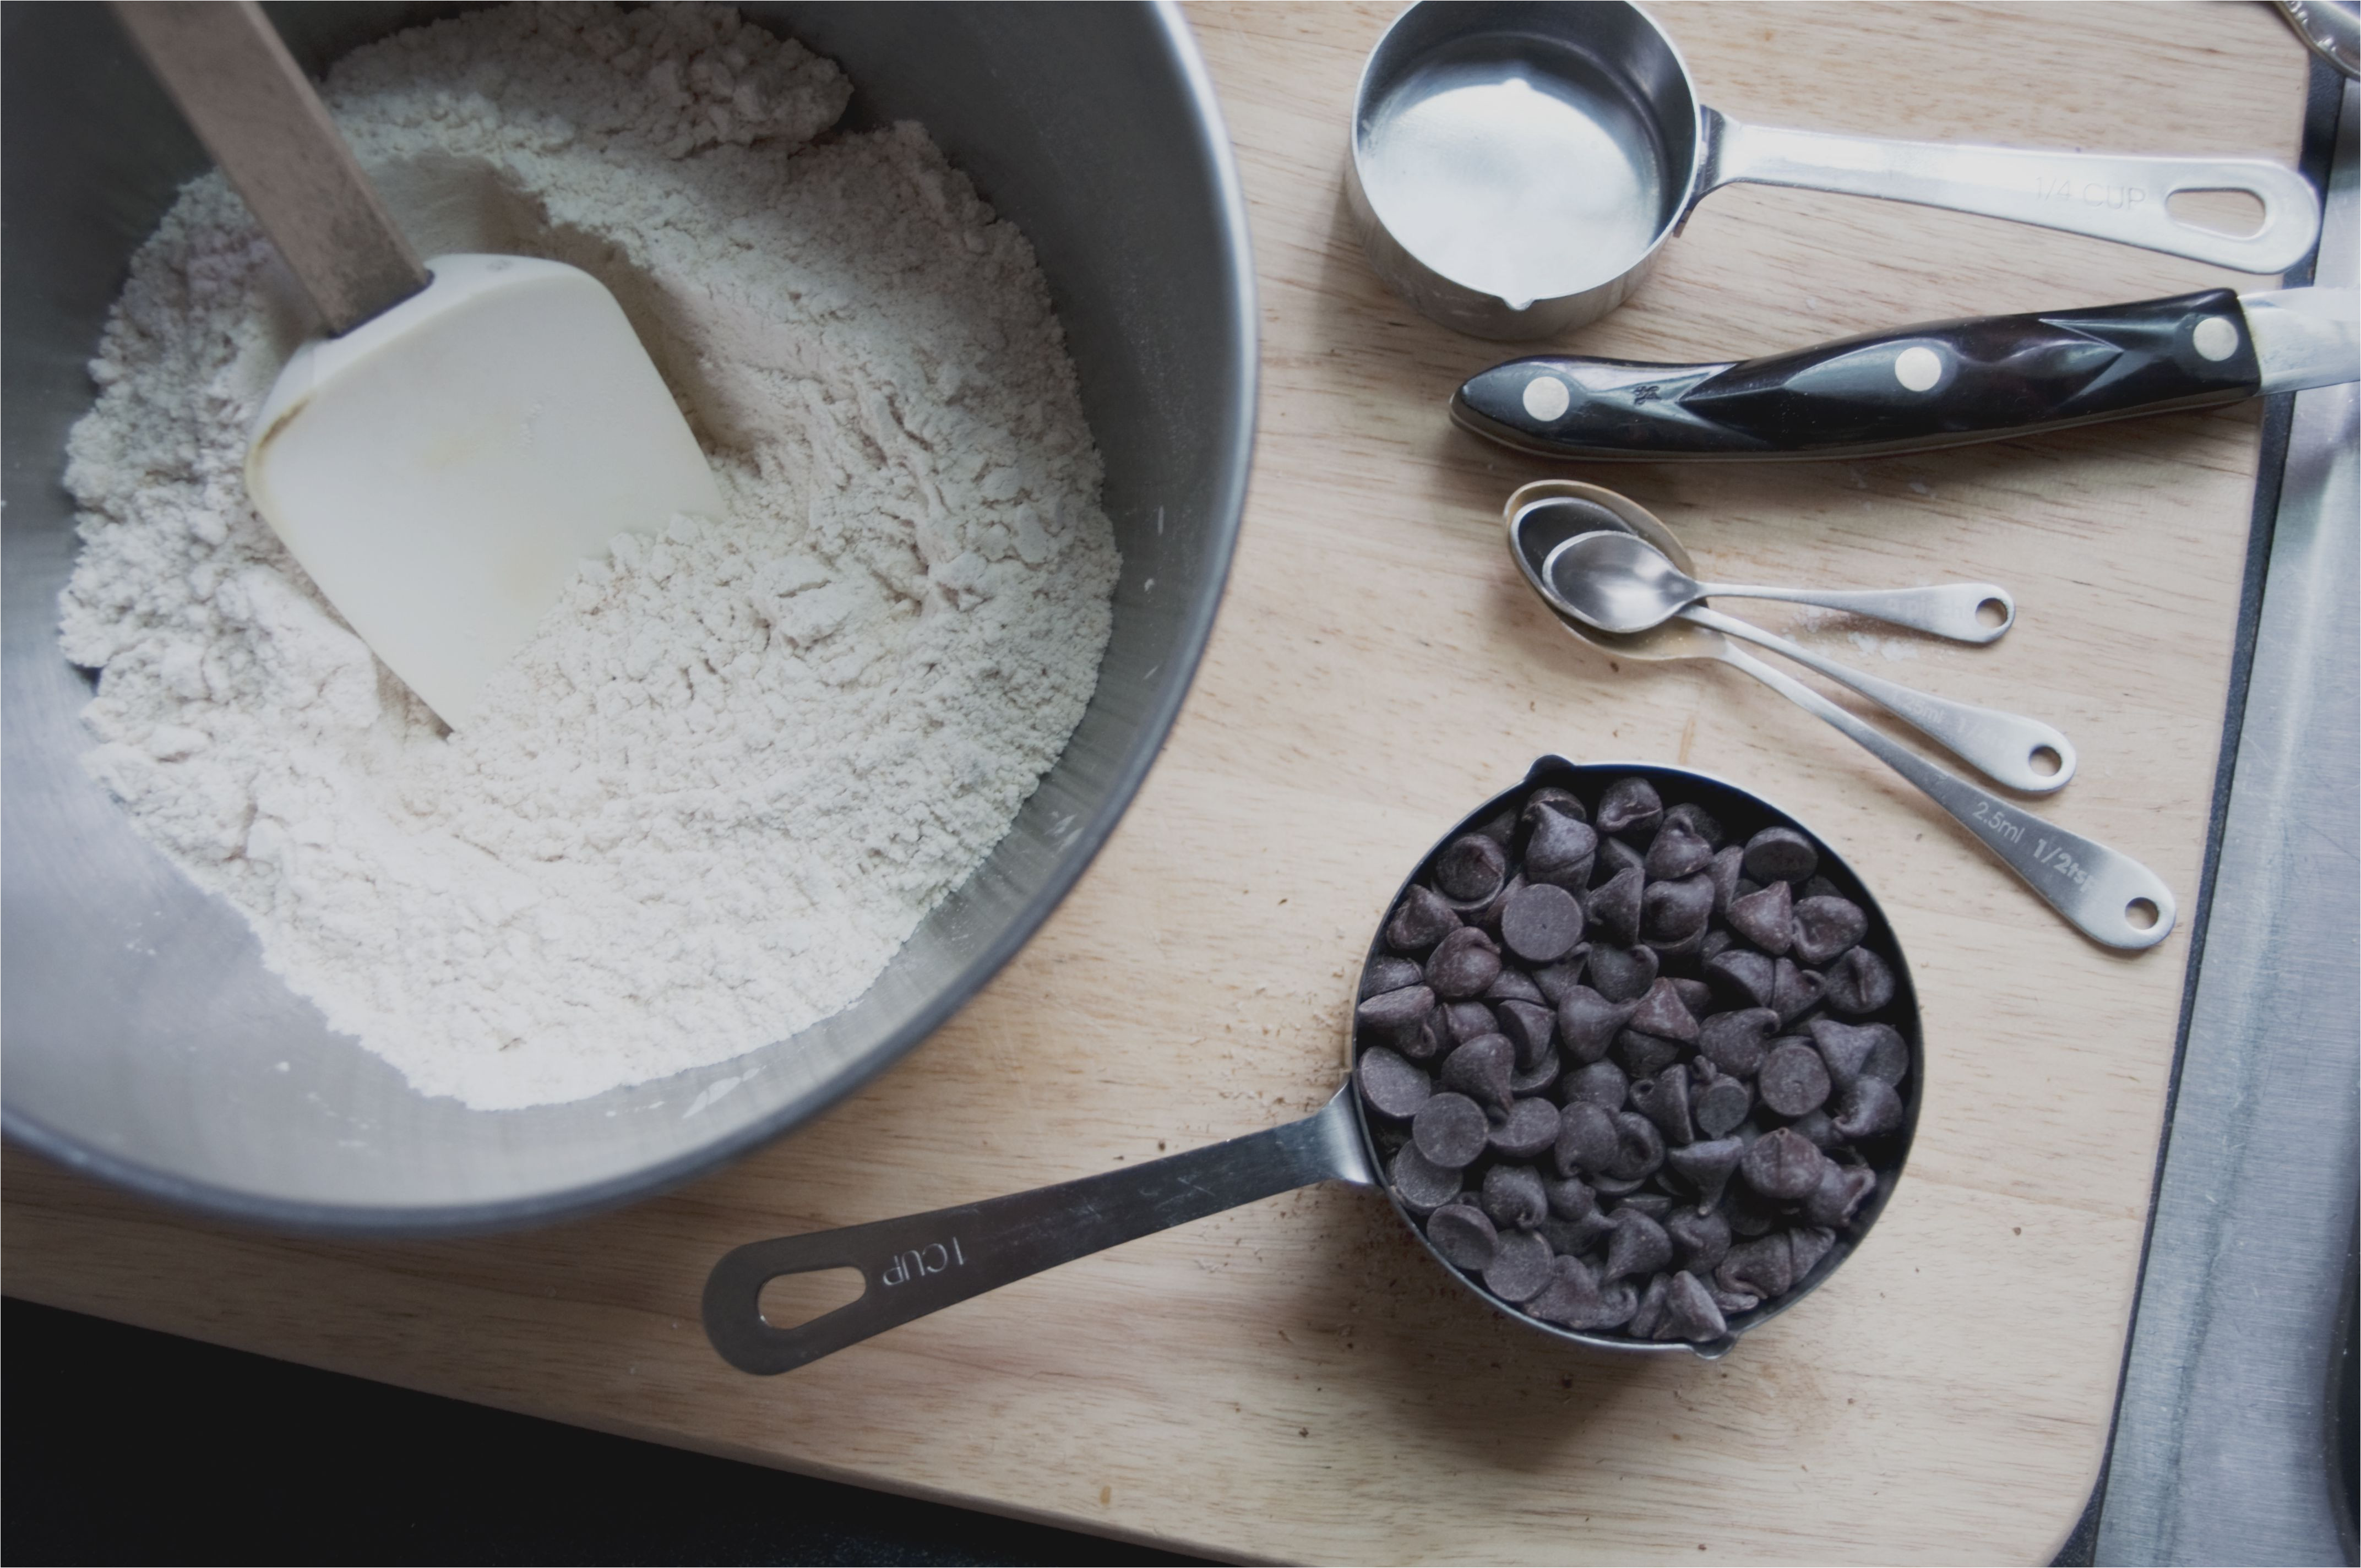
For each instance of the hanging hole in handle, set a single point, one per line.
(2142, 914)
(1993, 613)
(2045, 763)
(2235, 214)
(791, 1301)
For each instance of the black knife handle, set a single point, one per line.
(1941, 384)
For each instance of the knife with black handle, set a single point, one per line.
(1940, 384)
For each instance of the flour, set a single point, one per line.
(742, 757)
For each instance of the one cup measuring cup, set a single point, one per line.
(1683, 1190)
(1517, 165)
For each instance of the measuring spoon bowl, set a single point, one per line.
(918, 1264)
(1517, 165)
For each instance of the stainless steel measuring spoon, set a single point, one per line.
(1619, 582)
(2102, 892)
(920, 1264)
(1517, 165)
(2022, 753)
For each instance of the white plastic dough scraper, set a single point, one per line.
(473, 427)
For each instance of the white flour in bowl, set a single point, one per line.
(746, 755)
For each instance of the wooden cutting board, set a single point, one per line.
(1293, 1380)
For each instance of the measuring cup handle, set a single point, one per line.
(2108, 196)
(922, 1263)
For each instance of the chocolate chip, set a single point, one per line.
(1468, 1021)
(1739, 978)
(1707, 1166)
(1818, 887)
(1569, 1197)
(1532, 1028)
(1648, 1322)
(1555, 981)
(1795, 992)
(1664, 1099)
(1644, 1054)
(1390, 1085)
(1734, 1042)
(1764, 1266)
(1614, 905)
(1538, 1078)
(1695, 994)
(1500, 827)
(1430, 1039)
(1749, 1212)
(1663, 1011)
(1815, 1128)
(1724, 874)
(1690, 1312)
(1826, 927)
(1858, 982)
(1513, 986)
(1602, 1084)
(1780, 855)
(1792, 1080)
(1639, 1148)
(1587, 1023)
(1461, 1233)
(1479, 1070)
(1561, 852)
(1421, 1184)
(1700, 1238)
(1450, 1130)
(1673, 912)
(1720, 1104)
(1842, 1187)
(1486, 913)
(1422, 920)
(1514, 1197)
(1629, 808)
(1471, 869)
(1587, 1139)
(1732, 1301)
(1638, 1246)
(1808, 1246)
(1781, 1165)
(1389, 974)
(1615, 858)
(1579, 1236)
(1529, 1131)
(1393, 1016)
(1621, 974)
(1541, 923)
(1676, 851)
(1550, 797)
(1570, 1298)
(1857, 1050)
(1766, 918)
(1616, 1302)
(1462, 964)
(1718, 939)
(1521, 1267)
(1867, 1108)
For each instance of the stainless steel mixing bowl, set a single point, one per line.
(143, 1039)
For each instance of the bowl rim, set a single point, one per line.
(1235, 460)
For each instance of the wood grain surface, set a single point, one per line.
(1294, 1380)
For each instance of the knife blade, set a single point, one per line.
(1937, 384)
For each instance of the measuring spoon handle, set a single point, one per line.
(2097, 890)
(922, 1263)
(2109, 196)
(2000, 745)
(1945, 609)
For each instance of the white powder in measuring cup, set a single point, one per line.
(745, 756)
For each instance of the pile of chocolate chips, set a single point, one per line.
(1630, 1075)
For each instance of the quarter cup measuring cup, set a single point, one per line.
(919, 1264)
(1517, 165)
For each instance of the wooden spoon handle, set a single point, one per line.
(227, 70)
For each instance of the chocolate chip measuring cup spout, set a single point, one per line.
(1516, 166)
(1633, 1053)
